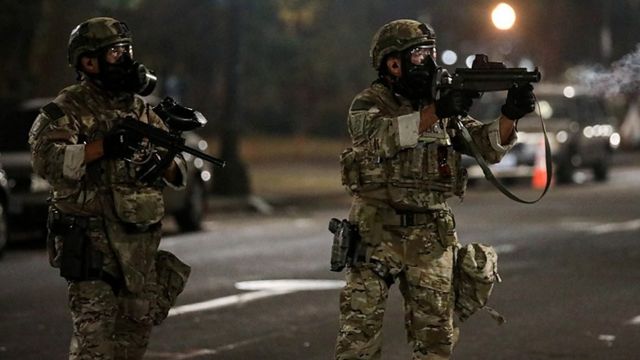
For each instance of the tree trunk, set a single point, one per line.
(233, 179)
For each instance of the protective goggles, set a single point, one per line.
(114, 52)
(419, 54)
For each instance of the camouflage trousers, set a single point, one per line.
(421, 261)
(107, 326)
(115, 324)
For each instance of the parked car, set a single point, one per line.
(581, 132)
(25, 197)
(26, 193)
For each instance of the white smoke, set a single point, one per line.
(622, 77)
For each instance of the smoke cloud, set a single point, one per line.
(622, 77)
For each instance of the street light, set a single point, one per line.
(503, 16)
(449, 57)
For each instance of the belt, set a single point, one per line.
(412, 219)
(60, 222)
(397, 218)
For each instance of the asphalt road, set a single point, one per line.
(570, 269)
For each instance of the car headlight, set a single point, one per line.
(614, 140)
(562, 136)
(3, 178)
(588, 132)
(205, 176)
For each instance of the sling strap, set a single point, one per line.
(491, 177)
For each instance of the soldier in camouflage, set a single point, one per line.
(104, 223)
(402, 167)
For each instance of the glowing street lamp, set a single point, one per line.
(503, 16)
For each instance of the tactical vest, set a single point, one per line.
(114, 181)
(415, 179)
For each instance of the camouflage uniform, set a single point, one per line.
(113, 312)
(400, 182)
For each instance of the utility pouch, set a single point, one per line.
(141, 206)
(475, 274)
(350, 170)
(346, 243)
(72, 249)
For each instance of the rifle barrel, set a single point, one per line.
(203, 156)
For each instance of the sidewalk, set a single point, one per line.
(268, 205)
(295, 185)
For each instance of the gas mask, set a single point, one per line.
(419, 69)
(125, 75)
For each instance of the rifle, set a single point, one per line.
(178, 119)
(485, 75)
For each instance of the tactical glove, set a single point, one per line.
(120, 143)
(454, 103)
(520, 101)
(155, 166)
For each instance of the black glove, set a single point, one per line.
(120, 143)
(520, 102)
(454, 103)
(155, 167)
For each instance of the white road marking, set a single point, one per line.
(634, 321)
(631, 225)
(607, 339)
(198, 353)
(290, 285)
(599, 228)
(505, 248)
(224, 302)
(260, 289)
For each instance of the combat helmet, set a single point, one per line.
(95, 34)
(399, 35)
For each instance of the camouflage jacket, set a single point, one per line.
(392, 164)
(103, 187)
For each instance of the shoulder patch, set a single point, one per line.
(362, 105)
(53, 111)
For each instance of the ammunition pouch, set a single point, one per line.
(70, 249)
(446, 225)
(414, 179)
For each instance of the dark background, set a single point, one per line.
(292, 66)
